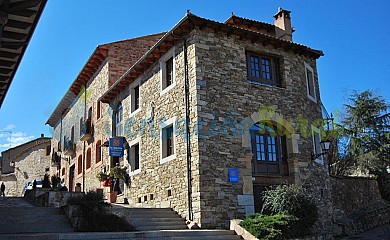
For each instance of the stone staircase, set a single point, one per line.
(30, 220)
(40, 223)
(149, 219)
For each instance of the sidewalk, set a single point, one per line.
(379, 233)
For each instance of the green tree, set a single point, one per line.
(364, 141)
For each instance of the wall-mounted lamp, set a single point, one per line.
(325, 146)
(12, 164)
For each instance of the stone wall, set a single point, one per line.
(228, 105)
(352, 193)
(31, 162)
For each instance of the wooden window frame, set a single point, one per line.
(274, 69)
(281, 151)
(310, 83)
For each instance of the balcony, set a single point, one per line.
(69, 148)
(56, 159)
(86, 131)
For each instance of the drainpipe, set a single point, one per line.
(85, 114)
(188, 134)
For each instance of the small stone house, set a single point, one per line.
(210, 114)
(25, 163)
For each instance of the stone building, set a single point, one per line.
(25, 163)
(210, 115)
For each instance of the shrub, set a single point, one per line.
(267, 227)
(292, 200)
(96, 215)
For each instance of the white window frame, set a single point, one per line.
(166, 57)
(315, 132)
(132, 97)
(163, 125)
(310, 69)
(131, 160)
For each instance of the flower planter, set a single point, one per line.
(112, 197)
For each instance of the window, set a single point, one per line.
(310, 83)
(167, 66)
(81, 126)
(316, 139)
(98, 151)
(63, 171)
(168, 72)
(80, 165)
(167, 142)
(88, 162)
(135, 98)
(72, 135)
(98, 110)
(48, 150)
(263, 69)
(118, 128)
(268, 148)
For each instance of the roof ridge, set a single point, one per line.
(130, 39)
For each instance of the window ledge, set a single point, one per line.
(167, 159)
(165, 90)
(135, 112)
(135, 172)
(265, 84)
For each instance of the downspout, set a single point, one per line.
(85, 112)
(188, 134)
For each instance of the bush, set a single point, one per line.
(292, 200)
(267, 227)
(96, 215)
(383, 180)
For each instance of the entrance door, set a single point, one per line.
(257, 194)
(71, 178)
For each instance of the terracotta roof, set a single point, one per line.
(246, 23)
(91, 66)
(184, 26)
(20, 17)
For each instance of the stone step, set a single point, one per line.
(177, 234)
(35, 228)
(148, 222)
(153, 219)
(161, 227)
(28, 210)
(31, 219)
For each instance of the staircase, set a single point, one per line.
(24, 221)
(18, 222)
(149, 219)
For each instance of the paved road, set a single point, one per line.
(379, 233)
(14, 202)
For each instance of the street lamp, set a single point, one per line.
(325, 146)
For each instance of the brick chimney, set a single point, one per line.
(282, 24)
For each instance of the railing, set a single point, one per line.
(86, 131)
(55, 159)
(69, 147)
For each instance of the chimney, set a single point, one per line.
(42, 135)
(282, 24)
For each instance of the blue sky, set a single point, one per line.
(354, 36)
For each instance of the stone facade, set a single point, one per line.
(32, 161)
(210, 86)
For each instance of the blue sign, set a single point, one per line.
(116, 147)
(233, 175)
